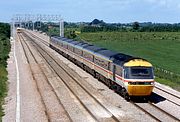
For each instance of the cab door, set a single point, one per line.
(114, 72)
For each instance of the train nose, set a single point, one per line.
(140, 90)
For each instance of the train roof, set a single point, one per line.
(107, 53)
(117, 58)
(54, 37)
(93, 48)
(59, 38)
(82, 45)
(74, 42)
(121, 58)
(67, 40)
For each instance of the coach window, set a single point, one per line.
(111, 66)
(96, 61)
(88, 56)
(78, 51)
(118, 70)
(65, 45)
(59, 44)
(101, 62)
(105, 64)
(70, 48)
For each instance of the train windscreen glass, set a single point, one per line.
(138, 73)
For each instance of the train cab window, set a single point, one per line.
(138, 73)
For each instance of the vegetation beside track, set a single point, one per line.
(160, 48)
(4, 51)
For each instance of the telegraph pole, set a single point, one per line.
(61, 28)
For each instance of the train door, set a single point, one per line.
(114, 72)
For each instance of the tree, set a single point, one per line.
(135, 25)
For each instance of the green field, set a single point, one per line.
(162, 49)
(4, 51)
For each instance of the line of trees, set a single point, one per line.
(4, 43)
(5, 29)
(133, 28)
(97, 26)
(101, 28)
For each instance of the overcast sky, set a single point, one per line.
(122, 11)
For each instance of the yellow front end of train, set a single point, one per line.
(139, 77)
(140, 90)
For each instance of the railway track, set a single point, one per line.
(155, 112)
(164, 112)
(36, 73)
(171, 97)
(157, 87)
(141, 106)
(40, 39)
(29, 61)
(94, 107)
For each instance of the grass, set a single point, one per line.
(160, 48)
(4, 51)
(3, 88)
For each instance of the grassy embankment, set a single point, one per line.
(4, 51)
(160, 48)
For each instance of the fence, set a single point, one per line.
(165, 74)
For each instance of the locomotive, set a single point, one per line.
(18, 30)
(130, 76)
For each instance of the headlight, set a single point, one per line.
(132, 83)
(152, 83)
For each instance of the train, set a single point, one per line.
(128, 75)
(18, 30)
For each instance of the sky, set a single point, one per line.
(111, 11)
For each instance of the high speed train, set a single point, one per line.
(130, 76)
(18, 30)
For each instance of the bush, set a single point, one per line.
(4, 51)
